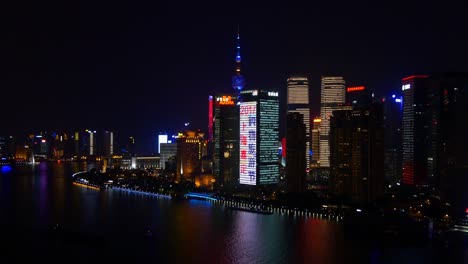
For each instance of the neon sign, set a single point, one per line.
(355, 89)
(248, 143)
(225, 100)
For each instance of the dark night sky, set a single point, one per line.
(142, 68)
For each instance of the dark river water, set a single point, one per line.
(103, 226)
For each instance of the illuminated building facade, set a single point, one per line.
(226, 141)
(357, 154)
(332, 98)
(190, 147)
(417, 130)
(295, 157)
(298, 102)
(316, 142)
(259, 137)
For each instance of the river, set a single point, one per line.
(117, 225)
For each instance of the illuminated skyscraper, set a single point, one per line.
(418, 154)
(316, 142)
(298, 102)
(332, 98)
(226, 141)
(259, 136)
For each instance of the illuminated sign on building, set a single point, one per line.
(355, 89)
(406, 87)
(225, 100)
(248, 143)
(275, 94)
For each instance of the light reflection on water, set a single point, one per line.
(36, 197)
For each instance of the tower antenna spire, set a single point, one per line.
(238, 81)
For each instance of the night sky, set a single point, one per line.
(139, 69)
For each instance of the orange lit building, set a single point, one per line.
(190, 148)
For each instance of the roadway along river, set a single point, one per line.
(117, 225)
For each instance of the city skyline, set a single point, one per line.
(125, 70)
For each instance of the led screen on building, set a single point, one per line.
(248, 143)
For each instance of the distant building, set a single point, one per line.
(295, 159)
(332, 98)
(226, 141)
(168, 150)
(298, 102)
(259, 137)
(190, 146)
(162, 139)
(316, 142)
(359, 97)
(452, 160)
(130, 147)
(108, 143)
(393, 105)
(357, 154)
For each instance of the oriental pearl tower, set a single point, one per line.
(238, 81)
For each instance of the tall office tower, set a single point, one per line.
(392, 106)
(419, 130)
(316, 142)
(357, 154)
(238, 80)
(88, 142)
(108, 147)
(189, 154)
(259, 136)
(359, 97)
(332, 98)
(226, 141)
(295, 158)
(298, 102)
(168, 150)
